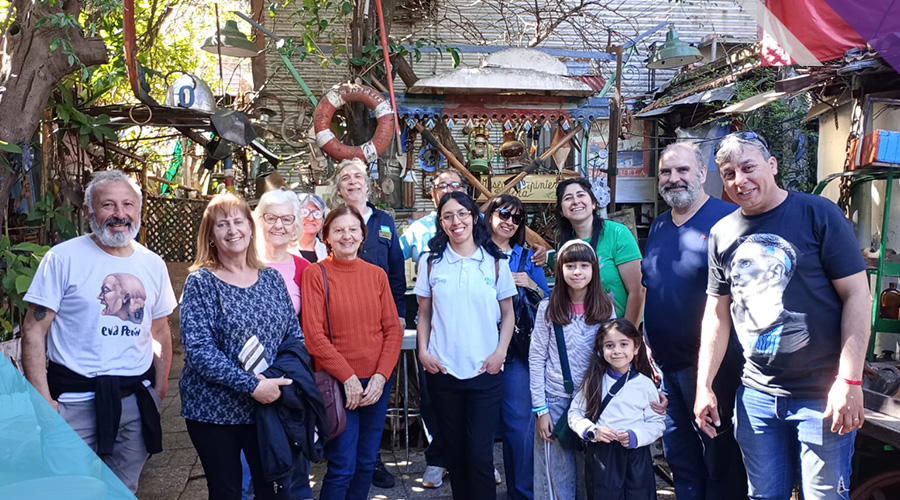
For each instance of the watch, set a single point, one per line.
(542, 413)
(590, 435)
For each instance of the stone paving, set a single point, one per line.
(176, 473)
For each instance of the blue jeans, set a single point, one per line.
(703, 468)
(779, 436)
(351, 456)
(518, 431)
(558, 471)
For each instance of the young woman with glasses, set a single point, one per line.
(465, 291)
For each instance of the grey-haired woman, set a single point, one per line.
(312, 214)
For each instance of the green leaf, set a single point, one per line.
(29, 247)
(97, 134)
(356, 61)
(346, 8)
(71, 60)
(83, 140)
(9, 147)
(65, 227)
(101, 120)
(455, 54)
(109, 134)
(418, 55)
(23, 281)
(80, 117)
(33, 216)
(66, 95)
(63, 113)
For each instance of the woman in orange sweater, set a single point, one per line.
(367, 338)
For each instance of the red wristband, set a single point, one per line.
(852, 382)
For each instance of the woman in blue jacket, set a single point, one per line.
(505, 217)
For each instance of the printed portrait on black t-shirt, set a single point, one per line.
(760, 269)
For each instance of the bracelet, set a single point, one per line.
(538, 410)
(851, 381)
(541, 413)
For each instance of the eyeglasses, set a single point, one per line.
(506, 214)
(317, 214)
(286, 220)
(747, 136)
(449, 186)
(461, 215)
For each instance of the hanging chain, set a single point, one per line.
(850, 154)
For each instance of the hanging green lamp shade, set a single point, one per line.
(674, 53)
(231, 42)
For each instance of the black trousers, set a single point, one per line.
(468, 411)
(219, 448)
(613, 472)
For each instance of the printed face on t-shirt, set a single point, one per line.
(123, 296)
(759, 270)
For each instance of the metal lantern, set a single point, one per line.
(231, 42)
(674, 53)
(480, 150)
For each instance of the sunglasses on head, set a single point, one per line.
(747, 136)
(506, 214)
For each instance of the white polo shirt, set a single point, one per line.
(465, 308)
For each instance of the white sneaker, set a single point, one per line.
(496, 476)
(433, 476)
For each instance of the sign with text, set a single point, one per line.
(532, 189)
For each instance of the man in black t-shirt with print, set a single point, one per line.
(787, 271)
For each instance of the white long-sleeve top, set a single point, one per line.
(544, 369)
(629, 410)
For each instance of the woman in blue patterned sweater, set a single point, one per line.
(230, 299)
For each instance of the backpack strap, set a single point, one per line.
(564, 359)
(327, 311)
(614, 390)
(523, 260)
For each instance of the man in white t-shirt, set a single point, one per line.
(98, 309)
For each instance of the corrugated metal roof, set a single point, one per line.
(467, 22)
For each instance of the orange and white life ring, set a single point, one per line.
(337, 97)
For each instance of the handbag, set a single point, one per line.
(329, 386)
(525, 306)
(561, 430)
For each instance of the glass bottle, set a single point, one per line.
(890, 303)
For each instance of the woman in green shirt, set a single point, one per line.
(620, 257)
